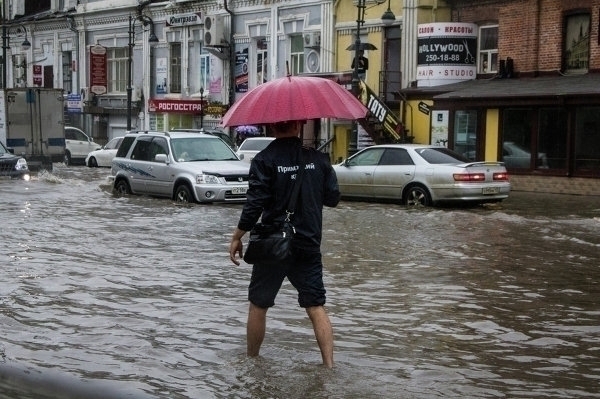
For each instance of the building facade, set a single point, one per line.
(534, 100)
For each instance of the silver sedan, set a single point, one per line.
(420, 175)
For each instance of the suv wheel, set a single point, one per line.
(122, 188)
(67, 158)
(92, 163)
(183, 194)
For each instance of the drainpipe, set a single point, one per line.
(231, 57)
(71, 22)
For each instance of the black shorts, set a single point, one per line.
(305, 273)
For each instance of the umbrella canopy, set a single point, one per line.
(247, 129)
(293, 98)
(361, 46)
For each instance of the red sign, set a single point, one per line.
(37, 69)
(98, 70)
(175, 106)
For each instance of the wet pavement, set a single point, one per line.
(136, 297)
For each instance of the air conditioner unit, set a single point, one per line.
(312, 39)
(213, 30)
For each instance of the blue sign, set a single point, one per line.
(74, 103)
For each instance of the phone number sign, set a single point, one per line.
(446, 50)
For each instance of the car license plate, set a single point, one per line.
(239, 190)
(490, 190)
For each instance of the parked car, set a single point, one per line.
(214, 132)
(183, 166)
(11, 165)
(420, 175)
(77, 146)
(252, 146)
(104, 156)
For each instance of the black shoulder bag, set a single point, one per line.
(271, 244)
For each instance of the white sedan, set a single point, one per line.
(252, 146)
(420, 175)
(104, 156)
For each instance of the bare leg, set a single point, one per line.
(255, 329)
(323, 333)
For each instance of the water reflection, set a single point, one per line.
(138, 295)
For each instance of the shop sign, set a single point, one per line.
(98, 70)
(176, 106)
(446, 51)
(184, 19)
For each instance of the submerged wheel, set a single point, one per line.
(92, 163)
(122, 188)
(67, 158)
(183, 195)
(417, 196)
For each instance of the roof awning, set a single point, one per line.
(543, 89)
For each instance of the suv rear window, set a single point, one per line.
(125, 146)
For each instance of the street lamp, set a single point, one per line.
(25, 45)
(146, 20)
(360, 20)
(388, 17)
(201, 107)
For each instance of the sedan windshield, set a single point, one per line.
(192, 149)
(440, 155)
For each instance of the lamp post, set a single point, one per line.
(146, 20)
(201, 107)
(360, 20)
(388, 16)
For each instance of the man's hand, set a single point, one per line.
(236, 246)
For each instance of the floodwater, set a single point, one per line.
(135, 297)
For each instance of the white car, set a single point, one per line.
(77, 146)
(252, 146)
(104, 156)
(420, 175)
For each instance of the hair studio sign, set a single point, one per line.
(446, 53)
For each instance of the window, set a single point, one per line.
(465, 133)
(261, 62)
(576, 52)
(204, 73)
(116, 59)
(297, 54)
(587, 140)
(175, 68)
(67, 80)
(488, 49)
(534, 138)
(396, 156)
(368, 157)
(552, 139)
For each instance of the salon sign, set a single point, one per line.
(446, 53)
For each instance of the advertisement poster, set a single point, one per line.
(161, 75)
(446, 53)
(241, 71)
(98, 70)
(215, 76)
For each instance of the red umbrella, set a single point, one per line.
(293, 98)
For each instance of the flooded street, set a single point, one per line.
(136, 297)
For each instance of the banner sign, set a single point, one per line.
(446, 51)
(98, 70)
(390, 123)
(176, 106)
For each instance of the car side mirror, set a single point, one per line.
(162, 158)
(241, 156)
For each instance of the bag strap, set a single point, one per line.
(296, 191)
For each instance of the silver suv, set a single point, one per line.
(186, 167)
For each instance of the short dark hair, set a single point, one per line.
(283, 126)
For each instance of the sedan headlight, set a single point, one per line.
(21, 164)
(208, 179)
